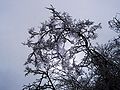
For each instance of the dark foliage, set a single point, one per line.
(64, 59)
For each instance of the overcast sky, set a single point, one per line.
(16, 16)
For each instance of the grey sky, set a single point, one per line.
(16, 16)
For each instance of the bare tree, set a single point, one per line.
(64, 59)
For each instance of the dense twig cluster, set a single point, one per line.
(115, 23)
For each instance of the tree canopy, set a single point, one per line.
(65, 59)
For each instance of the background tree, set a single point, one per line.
(64, 58)
(109, 78)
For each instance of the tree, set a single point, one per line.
(55, 48)
(109, 78)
